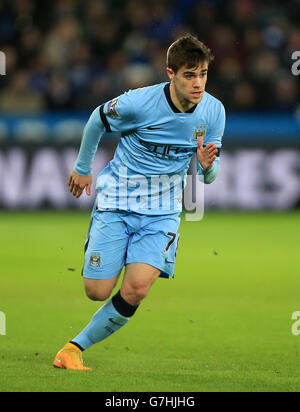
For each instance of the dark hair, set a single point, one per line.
(189, 51)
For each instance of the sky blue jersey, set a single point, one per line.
(147, 173)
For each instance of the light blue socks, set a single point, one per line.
(107, 320)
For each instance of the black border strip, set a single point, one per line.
(104, 119)
(121, 306)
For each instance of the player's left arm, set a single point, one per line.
(208, 155)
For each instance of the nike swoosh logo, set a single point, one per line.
(58, 360)
(153, 128)
(115, 323)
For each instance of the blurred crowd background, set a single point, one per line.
(65, 55)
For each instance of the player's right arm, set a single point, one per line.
(81, 177)
(78, 183)
(116, 115)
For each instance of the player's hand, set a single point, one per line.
(206, 155)
(78, 183)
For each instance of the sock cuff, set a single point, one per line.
(77, 345)
(121, 306)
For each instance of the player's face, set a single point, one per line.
(189, 84)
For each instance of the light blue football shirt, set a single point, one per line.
(147, 173)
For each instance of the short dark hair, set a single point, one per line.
(187, 51)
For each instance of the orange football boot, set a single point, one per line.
(70, 357)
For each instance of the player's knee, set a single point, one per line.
(136, 292)
(97, 294)
(140, 294)
(99, 289)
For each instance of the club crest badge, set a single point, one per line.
(111, 109)
(95, 259)
(200, 132)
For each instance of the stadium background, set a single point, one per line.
(237, 276)
(64, 58)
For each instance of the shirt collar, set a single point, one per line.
(171, 104)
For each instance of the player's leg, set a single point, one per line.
(70, 356)
(138, 279)
(155, 244)
(100, 289)
(104, 258)
(116, 312)
(150, 251)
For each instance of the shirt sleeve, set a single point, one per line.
(214, 135)
(208, 176)
(93, 131)
(118, 114)
(216, 127)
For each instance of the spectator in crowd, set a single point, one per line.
(72, 55)
(17, 96)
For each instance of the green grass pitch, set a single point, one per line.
(223, 324)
